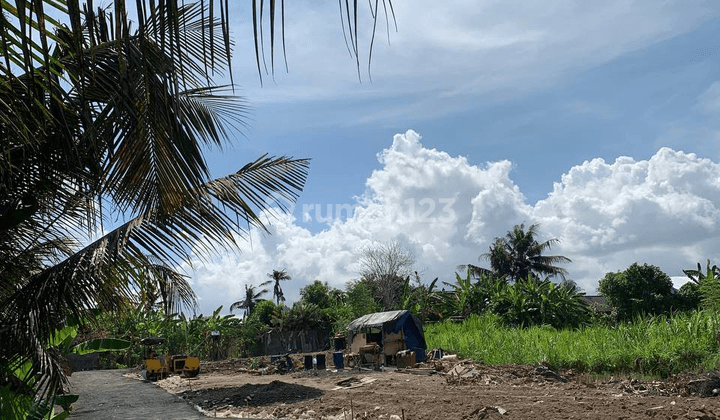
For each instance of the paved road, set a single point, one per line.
(106, 394)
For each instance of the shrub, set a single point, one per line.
(640, 289)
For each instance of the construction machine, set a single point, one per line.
(161, 366)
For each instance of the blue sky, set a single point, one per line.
(598, 120)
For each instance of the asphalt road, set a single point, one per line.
(106, 394)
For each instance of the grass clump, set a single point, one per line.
(658, 345)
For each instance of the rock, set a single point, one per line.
(547, 373)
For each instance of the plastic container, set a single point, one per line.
(320, 358)
(338, 360)
(419, 354)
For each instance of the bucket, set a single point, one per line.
(308, 362)
(320, 358)
(419, 354)
(338, 360)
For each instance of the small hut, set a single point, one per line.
(391, 331)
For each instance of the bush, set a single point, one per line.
(640, 289)
(541, 302)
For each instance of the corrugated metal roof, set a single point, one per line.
(375, 320)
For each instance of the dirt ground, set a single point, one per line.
(448, 389)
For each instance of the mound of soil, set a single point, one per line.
(251, 395)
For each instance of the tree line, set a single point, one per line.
(522, 285)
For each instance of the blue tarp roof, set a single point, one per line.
(375, 320)
(390, 320)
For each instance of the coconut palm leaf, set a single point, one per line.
(102, 122)
(475, 271)
(103, 273)
(171, 288)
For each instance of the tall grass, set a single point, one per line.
(650, 345)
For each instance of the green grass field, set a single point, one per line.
(651, 346)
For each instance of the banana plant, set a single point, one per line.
(697, 276)
(468, 297)
(538, 302)
(706, 284)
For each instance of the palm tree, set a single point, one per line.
(99, 123)
(110, 125)
(252, 297)
(277, 276)
(519, 255)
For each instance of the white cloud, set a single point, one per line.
(459, 49)
(663, 211)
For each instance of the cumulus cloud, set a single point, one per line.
(661, 211)
(446, 211)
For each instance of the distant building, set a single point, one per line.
(598, 303)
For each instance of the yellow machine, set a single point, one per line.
(160, 366)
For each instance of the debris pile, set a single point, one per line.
(260, 365)
(465, 371)
(696, 384)
(485, 412)
(640, 387)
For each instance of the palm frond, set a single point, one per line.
(349, 16)
(101, 274)
(100, 120)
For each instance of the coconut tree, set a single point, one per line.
(102, 172)
(110, 124)
(519, 255)
(252, 298)
(277, 276)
